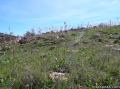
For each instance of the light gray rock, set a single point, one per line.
(58, 76)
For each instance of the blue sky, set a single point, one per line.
(23, 15)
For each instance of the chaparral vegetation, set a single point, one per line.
(78, 58)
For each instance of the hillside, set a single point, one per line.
(6, 37)
(75, 59)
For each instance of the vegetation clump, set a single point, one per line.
(74, 59)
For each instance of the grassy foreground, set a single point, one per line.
(90, 58)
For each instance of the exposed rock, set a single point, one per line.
(116, 49)
(75, 51)
(113, 47)
(97, 35)
(115, 37)
(58, 76)
(109, 45)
